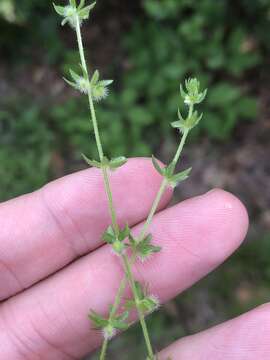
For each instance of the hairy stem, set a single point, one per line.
(127, 266)
(131, 280)
(149, 219)
(104, 348)
(162, 189)
(91, 102)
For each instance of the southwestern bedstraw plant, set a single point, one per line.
(127, 247)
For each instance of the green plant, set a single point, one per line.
(178, 38)
(26, 145)
(127, 247)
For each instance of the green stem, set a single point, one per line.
(153, 210)
(104, 348)
(180, 147)
(131, 280)
(162, 189)
(91, 103)
(143, 232)
(110, 200)
(112, 212)
(116, 304)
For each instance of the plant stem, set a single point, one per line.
(145, 228)
(91, 103)
(104, 348)
(153, 210)
(131, 280)
(180, 147)
(127, 266)
(162, 189)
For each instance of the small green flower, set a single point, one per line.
(111, 325)
(117, 240)
(143, 249)
(187, 124)
(146, 303)
(97, 88)
(192, 95)
(73, 13)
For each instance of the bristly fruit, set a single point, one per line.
(192, 95)
(73, 13)
(117, 240)
(144, 248)
(97, 88)
(111, 325)
(146, 303)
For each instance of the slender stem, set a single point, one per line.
(91, 103)
(131, 280)
(113, 311)
(104, 348)
(180, 147)
(153, 210)
(145, 228)
(127, 266)
(110, 201)
(162, 189)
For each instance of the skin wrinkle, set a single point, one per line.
(14, 276)
(15, 337)
(55, 219)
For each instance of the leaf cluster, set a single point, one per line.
(168, 173)
(147, 303)
(96, 87)
(144, 248)
(73, 12)
(109, 325)
(112, 164)
(116, 240)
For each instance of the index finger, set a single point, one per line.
(44, 231)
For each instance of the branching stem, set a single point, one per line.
(127, 266)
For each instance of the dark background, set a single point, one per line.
(148, 47)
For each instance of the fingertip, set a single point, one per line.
(232, 213)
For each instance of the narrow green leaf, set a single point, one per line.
(115, 163)
(73, 3)
(105, 82)
(84, 13)
(176, 179)
(72, 84)
(85, 74)
(92, 163)
(109, 236)
(74, 76)
(123, 234)
(139, 290)
(157, 166)
(59, 9)
(82, 3)
(95, 78)
(98, 321)
(183, 93)
(64, 21)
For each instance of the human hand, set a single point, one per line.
(54, 267)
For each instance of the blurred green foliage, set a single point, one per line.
(223, 43)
